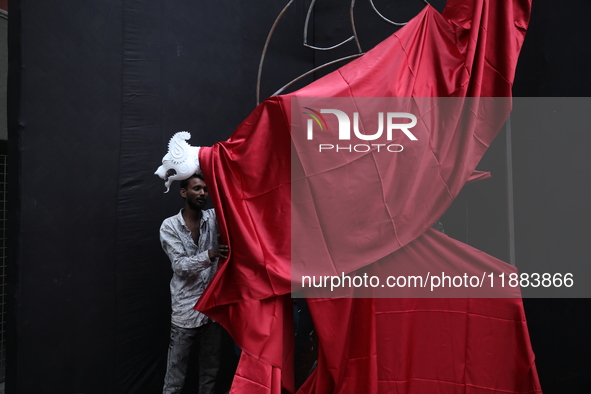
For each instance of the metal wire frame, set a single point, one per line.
(388, 20)
(354, 37)
(260, 72)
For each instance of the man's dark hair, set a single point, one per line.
(185, 182)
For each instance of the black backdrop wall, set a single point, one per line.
(96, 89)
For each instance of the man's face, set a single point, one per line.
(196, 193)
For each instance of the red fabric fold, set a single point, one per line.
(375, 345)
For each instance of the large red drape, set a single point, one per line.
(375, 345)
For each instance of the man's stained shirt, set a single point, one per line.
(191, 266)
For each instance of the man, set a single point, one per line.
(190, 241)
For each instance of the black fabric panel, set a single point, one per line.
(552, 189)
(67, 143)
(13, 200)
(141, 296)
(552, 217)
(553, 62)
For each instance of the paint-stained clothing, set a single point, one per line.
(191, 265)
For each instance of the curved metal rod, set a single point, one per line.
(352, 19)
(388, 20)
(306, 32)
(332, 47)
(260, 72)
(314, 70)
(384, 18)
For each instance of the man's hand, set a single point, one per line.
(218, 251)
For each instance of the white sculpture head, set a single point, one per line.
(181, 161)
